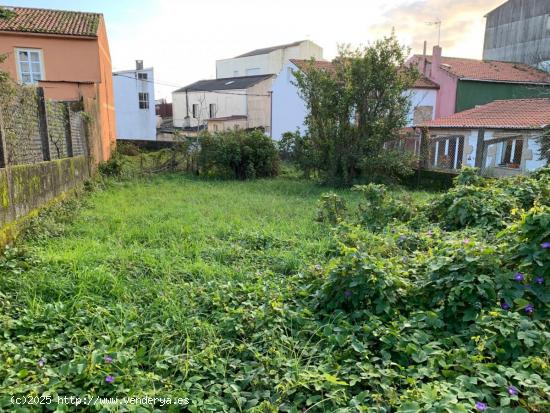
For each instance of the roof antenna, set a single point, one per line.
(438, 24)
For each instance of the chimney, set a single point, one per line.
(139, 64)
(436, 60)
(424, 59)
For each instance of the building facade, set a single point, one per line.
(519, 31)
(135, 103)
(467, 83)
(289, 109)
(66, 53)
(240, 102)
(269, 60)
(501, 138)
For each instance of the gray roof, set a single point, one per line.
(227, 83)
(269, 49)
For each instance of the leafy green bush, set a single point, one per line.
(379, 207)
(332, 208)
(113, 167)
(238, 155)
(472, 206)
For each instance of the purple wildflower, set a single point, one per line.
(545, 245)
(348, 293)
(529, 308)
(539, 280)
(402, 238)
(429, 233)
(466, 241)
(108, 359)
(42, 362)
(404, 259)
(109, 379)
(505, 305)
(480, 406)
(512, 391)
(519, 277)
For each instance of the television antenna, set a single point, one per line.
(438, 24)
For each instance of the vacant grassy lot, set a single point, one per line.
(181, 282)
(231, 295)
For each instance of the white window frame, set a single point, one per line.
(145, 100)
(18, 64)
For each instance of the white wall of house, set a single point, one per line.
(135, 117)
(289, 109)
(227, 103)
(418, 98)
(530, 159)
(269, 63)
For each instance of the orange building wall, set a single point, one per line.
(106, 95)
(74, 68)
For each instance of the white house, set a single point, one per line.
(501, 137)
(221, 104)
(134, 93)
(289, 109)
(269, 60)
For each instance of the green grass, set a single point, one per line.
(183, 282)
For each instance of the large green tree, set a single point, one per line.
(355, 108)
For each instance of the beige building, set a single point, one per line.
(269, 60)
(222, 104)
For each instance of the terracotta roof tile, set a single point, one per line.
(490, 70)
(422, 83)
(70, 23)
(500, 114)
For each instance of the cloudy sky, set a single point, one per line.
(182, 39)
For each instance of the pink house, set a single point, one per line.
(468, 83)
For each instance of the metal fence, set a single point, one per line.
(34, 129)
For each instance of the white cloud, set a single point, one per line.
(183, 39)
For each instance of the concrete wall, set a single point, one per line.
(26, 188)
(131, 121)
(421, 98)
(269, 63)
(518, 31)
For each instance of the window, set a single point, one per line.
(143, 100)
(512, 150)
(195, 110)
(253, 71)
(447, 152)
(142, 76)
(29, 63)
(212, 110)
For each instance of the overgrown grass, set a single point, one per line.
(179, 280)
(231, 294)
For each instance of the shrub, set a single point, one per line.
(472, 206)
(113, 167)
(238, 155)
(469, 176)
(331, 208)
(380, 207)
(127, 148)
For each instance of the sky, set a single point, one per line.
(182, 39)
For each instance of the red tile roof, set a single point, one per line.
(422, 83)
(61, 22)
(490, 70)
(500, 114)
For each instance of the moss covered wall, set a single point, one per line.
(26, 188)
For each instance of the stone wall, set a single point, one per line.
(44, 152)
(26, 188)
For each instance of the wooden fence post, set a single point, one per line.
(68, 132)
(43, 124)
(479, 148)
